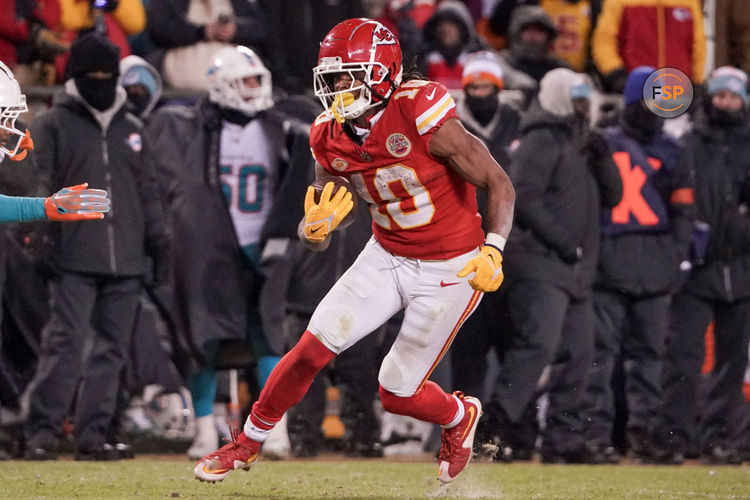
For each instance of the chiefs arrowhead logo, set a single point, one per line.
(382, 36)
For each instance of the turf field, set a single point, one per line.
(172, 478)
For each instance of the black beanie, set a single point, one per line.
(93, 52)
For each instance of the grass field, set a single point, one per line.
(173, 478)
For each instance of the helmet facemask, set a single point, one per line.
(356, 100)
(8, 116)
(227, 87)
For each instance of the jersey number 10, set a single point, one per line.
(396, 195)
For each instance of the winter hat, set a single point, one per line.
(728, 78)
(482, 65)
(138, 75)
(556, 90)
(634, 84)
(93, 52)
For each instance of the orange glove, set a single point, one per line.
(323, 217)
(488, 269)
(77, 203)
(24, 147)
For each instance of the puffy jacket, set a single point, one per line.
(658, 33)
(73, 146)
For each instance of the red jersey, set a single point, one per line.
(421, 208)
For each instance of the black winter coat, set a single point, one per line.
(72, 148)
(557, 207)
(721, 161)
(210, 271)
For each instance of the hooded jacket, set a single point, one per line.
(131, 62)
(557, 196)
(438, 66)
(210, 271)
(76, 143)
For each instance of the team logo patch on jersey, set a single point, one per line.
(135, 142)
(398, 145)
(339, 164)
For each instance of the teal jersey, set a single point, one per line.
(19, 209)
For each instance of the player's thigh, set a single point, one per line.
(431, 321)
(360, 301)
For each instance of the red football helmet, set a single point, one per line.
(369, 53)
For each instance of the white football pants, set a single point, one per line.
(377, 286)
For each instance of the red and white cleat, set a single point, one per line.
(241, 453)
(455, 451)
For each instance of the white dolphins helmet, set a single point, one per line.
(12, 104)
(226, 86)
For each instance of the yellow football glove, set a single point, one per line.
(488, 266)
(341, 101)
(323, 217)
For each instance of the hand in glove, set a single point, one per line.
(77, 203)
(322, 218)
(488, 269)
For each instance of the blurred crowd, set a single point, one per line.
(623, 325)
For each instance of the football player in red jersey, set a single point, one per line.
(399, 142)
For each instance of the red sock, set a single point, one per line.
(431, 404)
(290, 380)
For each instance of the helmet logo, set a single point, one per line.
(398, 145)
(382, 36)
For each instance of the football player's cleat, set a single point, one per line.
(241, 453)
(457, 442)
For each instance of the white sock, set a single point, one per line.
(459, 415)
(255, 433)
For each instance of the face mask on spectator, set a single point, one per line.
(483, 108)
(94, 65)
(641, 119)
(99, 93)
(138, 99)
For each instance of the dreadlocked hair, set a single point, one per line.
(413, 72)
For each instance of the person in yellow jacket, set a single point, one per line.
(77, 15)
(572, 18)
(658, 33)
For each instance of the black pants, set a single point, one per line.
(485, 329)
(550, 327)
(691, 316)
(634, 330)
(356, 374)
(78, 303)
